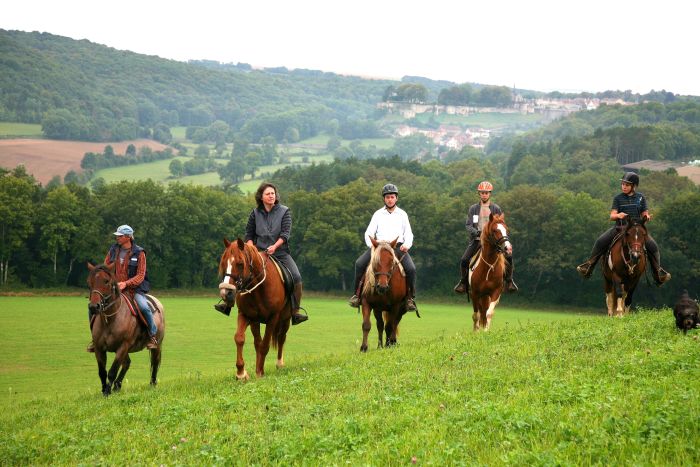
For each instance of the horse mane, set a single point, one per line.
(370, 278)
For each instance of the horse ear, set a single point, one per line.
(374, 241)
(90, 266)
(226, 242)
(240, 243)
(393, 243)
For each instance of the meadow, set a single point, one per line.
(20, 130)
(541, 388)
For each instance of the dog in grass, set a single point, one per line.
(686, 313)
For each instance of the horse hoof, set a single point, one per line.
(243, 377)
(363, 348)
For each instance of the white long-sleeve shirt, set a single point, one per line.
(387, 226)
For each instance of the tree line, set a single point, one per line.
(49, 233)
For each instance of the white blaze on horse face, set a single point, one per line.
(502, 228)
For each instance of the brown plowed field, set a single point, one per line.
(45, 158)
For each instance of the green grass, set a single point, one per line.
(179, 133)
(12, 130)
(538, 389)
(485, 120)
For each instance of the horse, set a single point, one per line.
(115, 329)
(624, 265)
(486, 276)
(384, 292)
(253, 282)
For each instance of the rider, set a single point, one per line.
(388, 223)
(131, 276)
(477, 218)
(633, 204)
(269, 228)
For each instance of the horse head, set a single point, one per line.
(104, 290)
(382, 264)
(496, 234)
(238, 266)
(634, 238)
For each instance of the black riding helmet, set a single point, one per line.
(389, 189)
(630, 177)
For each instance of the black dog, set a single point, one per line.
(686, 313)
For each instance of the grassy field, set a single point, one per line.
(16, 130)
(539, 389)
(199, 341)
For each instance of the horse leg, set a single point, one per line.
(239, 338)
(155, 365)
(609, 296)
(493, 301)
(366, 325)
(125, 367)
(379, 318)
(120, 357)
(475, 314)
(620, 294)
(281, 339)
(263, 349)
(101, 357)
(484, 303)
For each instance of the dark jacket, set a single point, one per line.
(264, 228)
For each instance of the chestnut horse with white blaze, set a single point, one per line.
(384, 292)
(486, 277)
(624, 265)
(115, 329)
(253, 282)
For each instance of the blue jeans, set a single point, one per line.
(146, 310)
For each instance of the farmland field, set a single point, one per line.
(46, 158)
(20, 130)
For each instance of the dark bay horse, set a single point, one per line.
(384, 292)
(486, 276)
(624, 265)
(116, 330)
(252, 281)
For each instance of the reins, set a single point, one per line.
(102, 307)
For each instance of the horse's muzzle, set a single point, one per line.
(381, 289)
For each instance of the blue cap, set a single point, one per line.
(124, 230)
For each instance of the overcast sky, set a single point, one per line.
(565, 45)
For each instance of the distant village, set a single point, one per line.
(454, 137)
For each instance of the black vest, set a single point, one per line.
(136, 250)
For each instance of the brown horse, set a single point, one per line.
(486, 276)
(624, 265)
(115, 329)
(384, 292)
(253, 282)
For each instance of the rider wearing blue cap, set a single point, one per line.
(131, 276)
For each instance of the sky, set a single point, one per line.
(543, 45)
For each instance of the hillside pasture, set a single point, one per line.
(20, 130)
(586, 390)
(45, 158)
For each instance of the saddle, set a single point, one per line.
(285, 275)
(136, 311)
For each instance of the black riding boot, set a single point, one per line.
(223, 308)
(586, 269)
(660, 275)
(296, 316)
(463, 284)
(510, 283)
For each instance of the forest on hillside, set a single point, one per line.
(79, 90)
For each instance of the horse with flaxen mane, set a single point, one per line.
(624, 265)
(116, 329)
(384, 292)
(252, 281)
(486, 276)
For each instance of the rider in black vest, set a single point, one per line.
(630, 204)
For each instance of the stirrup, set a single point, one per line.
(354, 301)
(411, 305)
(298, 318)
(460, 288)
(585, 269)
(152, 343)
(661, 277)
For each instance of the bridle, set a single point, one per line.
(240, 282)
(395, 261)
(498, 244)
(636, 246)
(104, 304)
